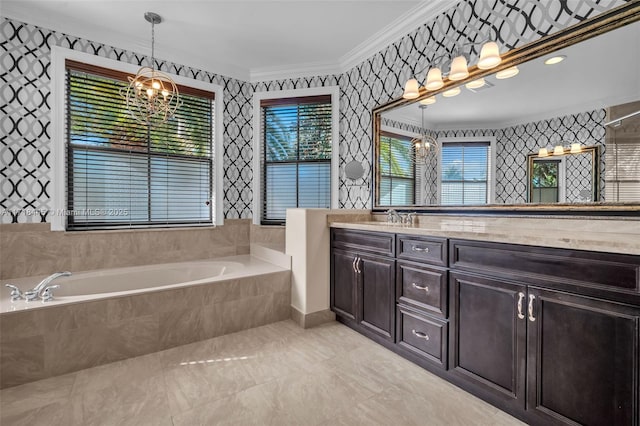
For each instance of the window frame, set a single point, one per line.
(258, 172)
(59, 56)
(491, 140)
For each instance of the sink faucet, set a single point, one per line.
(393, 216)
(37, 290)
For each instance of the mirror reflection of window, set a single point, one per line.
(397, 172)
(465, 173)
(546, 181)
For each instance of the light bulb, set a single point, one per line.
(411, 89)
(543, 152)
(151, 93)
(555, 60)
(576, 148)
(428, 101)
(475, 84)
(489, 56)
(507, 73)
(451, 92)
(459, 69)
(434, 79)
(155, 84)
(165, 93)
(558, 150)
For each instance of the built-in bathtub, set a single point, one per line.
(103, 316)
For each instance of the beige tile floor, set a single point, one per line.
(278, 374)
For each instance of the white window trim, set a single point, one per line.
(58, 125)
(334, 91)
(492, 169)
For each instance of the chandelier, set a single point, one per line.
(458, 70)
(151, 97)
(425, 145)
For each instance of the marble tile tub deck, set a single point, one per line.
(276, 374)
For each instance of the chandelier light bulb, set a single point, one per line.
(489, 56)
(459, 70)
(411, 89)
(434, 79)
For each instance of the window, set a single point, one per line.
(465, 173)
(544, 184)
(121, 174)
(296, 155)
(397, 171)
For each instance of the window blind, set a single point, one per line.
(122, 174)
(622, 174)
(465, 173)
(397, 171)
(296, 155)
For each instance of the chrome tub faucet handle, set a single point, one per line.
(47, 293)
(16, 294)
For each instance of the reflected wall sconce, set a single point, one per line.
(458, 68)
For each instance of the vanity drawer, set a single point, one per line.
(422, 287)
(424, 249)
(423, 335)
(373, 242)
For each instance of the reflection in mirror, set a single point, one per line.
(485, 134)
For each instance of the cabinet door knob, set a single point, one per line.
(531, 299)
(520, 300)
(419, 287)
(420, 249)
(420, 334)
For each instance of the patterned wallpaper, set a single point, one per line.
(25, 57)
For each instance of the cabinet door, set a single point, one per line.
(488, 337)
(343, 283)
(377, 295)
(582, 360)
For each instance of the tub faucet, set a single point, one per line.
(35, 292)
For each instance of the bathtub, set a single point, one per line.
(104, 316)
(105, 283)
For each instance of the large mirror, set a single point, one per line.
(560, 135)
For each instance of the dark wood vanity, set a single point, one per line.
(549, 335)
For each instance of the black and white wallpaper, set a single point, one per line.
(25, 57)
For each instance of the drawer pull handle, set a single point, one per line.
(419, 287)
(420, 334)
(531, 299)
(420, 249)
(520, 300)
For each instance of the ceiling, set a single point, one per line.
(250, 40)
(597, 73)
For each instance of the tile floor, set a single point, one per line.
(278, 374)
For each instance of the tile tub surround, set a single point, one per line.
(33, 249)
(275, 374)
(59, 339)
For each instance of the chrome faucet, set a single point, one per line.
(42, 286)
(393, 216)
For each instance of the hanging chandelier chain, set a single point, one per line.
(153, 44)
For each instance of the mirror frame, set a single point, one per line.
(600, 24)
(595, 171)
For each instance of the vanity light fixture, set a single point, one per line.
(451, 92)
(543, 152)
(458, 68)
(152, 97)
(555, 59)
(428, 101)
(507, 73)
(558, 150)
(475, 84)
(574, 148)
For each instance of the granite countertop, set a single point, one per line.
(604, 235)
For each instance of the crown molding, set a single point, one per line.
(309, 69)
(394, 31)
